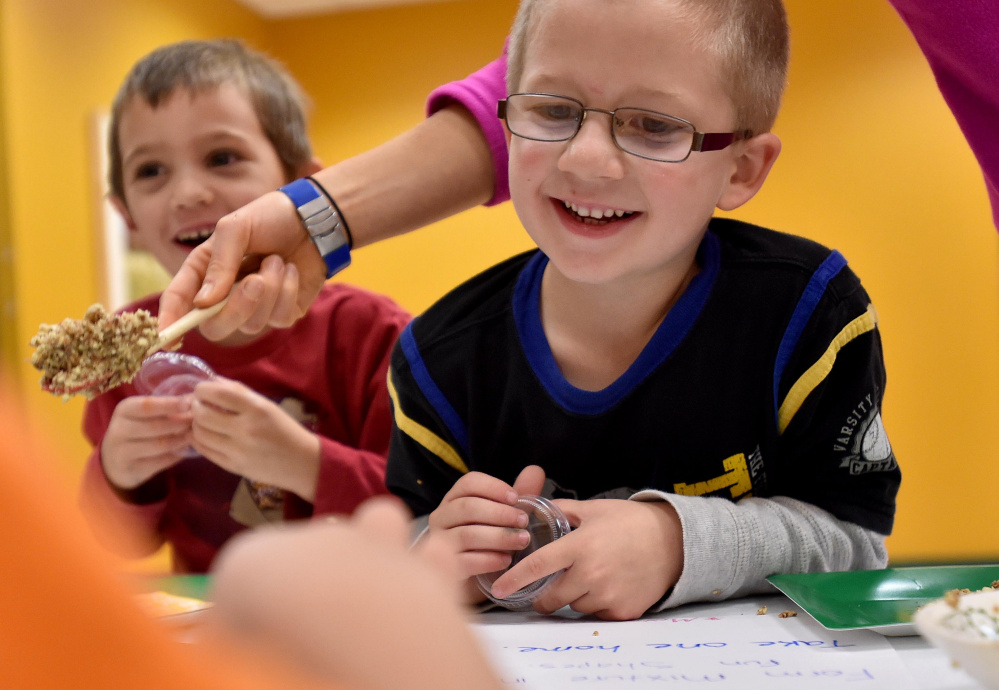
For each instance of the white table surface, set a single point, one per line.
(928, 668)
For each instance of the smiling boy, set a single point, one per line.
(701, 367)
(299, 425)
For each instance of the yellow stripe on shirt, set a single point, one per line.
(818, 371)
(424, 436)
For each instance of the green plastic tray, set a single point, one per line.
(878, 600)
(194, 586)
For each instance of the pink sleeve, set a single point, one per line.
(479, 92)
(960, 39)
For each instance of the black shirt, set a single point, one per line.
(765, 378)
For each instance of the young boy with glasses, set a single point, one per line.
(299, 425)
(725, 378)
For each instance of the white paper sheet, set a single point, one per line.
(725, 645)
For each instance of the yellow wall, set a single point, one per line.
(61, 62)
(873, 165)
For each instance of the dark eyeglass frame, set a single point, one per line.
(701, 141)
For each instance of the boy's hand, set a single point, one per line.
(620, 560)
(245, 433)
(479, 517)
(145, 436)
(265, 226)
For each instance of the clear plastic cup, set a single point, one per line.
(546, 523)
(172, 373)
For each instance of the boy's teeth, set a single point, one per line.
(200, 234)
(595, 213)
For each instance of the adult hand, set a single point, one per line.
(318, 592)
(618, 562)
(268, 225)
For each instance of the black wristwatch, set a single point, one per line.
(323, 222)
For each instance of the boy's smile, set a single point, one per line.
(188, 162)
(593, 220)
(600, 214)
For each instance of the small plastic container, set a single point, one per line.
(172, 373)
(546, 523)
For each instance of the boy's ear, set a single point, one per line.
(313, 166)
(122, 209)
(752, 165)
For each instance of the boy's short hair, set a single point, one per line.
(199, 66)
(751, 38)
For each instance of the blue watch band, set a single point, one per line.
(322, 221)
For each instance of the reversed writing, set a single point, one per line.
(646, 678)
(572, 648)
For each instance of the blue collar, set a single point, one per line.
(671, 332)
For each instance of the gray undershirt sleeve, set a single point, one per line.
(730, 548)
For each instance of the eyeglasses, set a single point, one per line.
(640, 132)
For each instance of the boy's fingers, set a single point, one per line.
(222, 395)
(566, 591)
(488, 538)
(545, 561)
(575, 511)
(145, 407)
(474, 510)
(482, 485)
(530, 481)
(473, 563)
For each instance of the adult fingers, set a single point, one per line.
(178, 297)
(286, 310)
(225, 250)
(384, 518)
(272, 272)
(243, 303)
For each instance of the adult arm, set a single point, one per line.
(961, 42)
(439, 168)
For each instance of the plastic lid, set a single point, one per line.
(172, 373)
(546, 523)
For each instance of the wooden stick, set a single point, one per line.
(187, 322)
